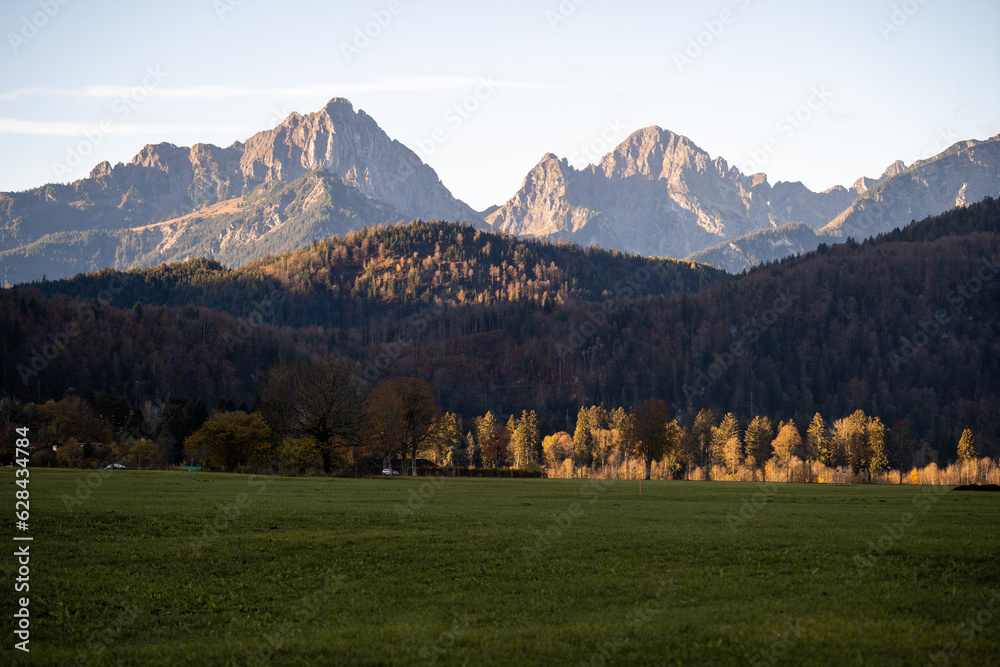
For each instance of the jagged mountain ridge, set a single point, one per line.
(964, 174)
(110, 216)
(902, 194)
(657, 193)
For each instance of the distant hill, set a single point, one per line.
(766, 245)
(392, 271)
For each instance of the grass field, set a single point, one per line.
(168, 568)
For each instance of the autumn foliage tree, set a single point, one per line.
(647, 432)
(966, 447)
(321, 399)
(231, 440)
(417, 416)
(786, 444)
(494, 440)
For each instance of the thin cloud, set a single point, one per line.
(392, 85)
(55, 129)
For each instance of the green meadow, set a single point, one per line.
(168, 568)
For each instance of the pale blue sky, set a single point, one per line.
(887, 80)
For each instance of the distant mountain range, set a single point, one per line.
(334, 171)
(659, 194)
(311, 177)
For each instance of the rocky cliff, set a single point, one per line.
(376, 180)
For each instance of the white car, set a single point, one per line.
(389, 471)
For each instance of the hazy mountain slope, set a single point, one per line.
(760, 247)
(965, 173)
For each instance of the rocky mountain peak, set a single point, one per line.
(338, 104)
(103, 169)
(862, 184)
(894, 169)
(654, 153)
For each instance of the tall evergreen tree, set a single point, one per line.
(966, 447)
(758, 441)
(817, 442)
(878, 461)
(727, 446)
(583, 438)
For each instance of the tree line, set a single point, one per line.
(903, 326)
(323, 417)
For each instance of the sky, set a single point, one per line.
(818, 92)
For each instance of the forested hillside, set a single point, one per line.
(393, 271)
(901, 326)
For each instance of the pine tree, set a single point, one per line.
(583, 438)
(727, 448)
(524, 438)
(817, 441)
(701, 432)
(516, 441)
(967, 447)
(758, 441)
(878, 461)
